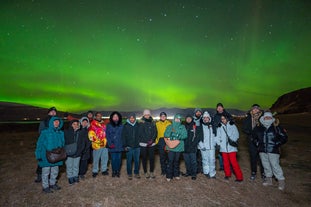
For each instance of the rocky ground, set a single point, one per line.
(18, 164)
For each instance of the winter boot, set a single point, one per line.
(114, 174)
(76, 179)
(118, 174)
(39, 178)
(147, 176)
(71, 181)
(152, 175)
(267, 182)
(281, 185)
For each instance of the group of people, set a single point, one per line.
(199, 139)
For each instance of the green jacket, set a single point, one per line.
(176, 131)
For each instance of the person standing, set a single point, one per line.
(207, 147)
(130, 141)
(197, 119)
(220, 111)
(175, 131)
(227, 137)
(147, 136)
(86, 154)
(269, 136)
(114, 138)
(49, 139)
(97, 135)
(161, 127)
(194, 136)
(250, 122)
(73, 137)
(44, 124)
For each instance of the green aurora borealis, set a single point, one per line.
(129, 55)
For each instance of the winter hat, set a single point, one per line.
(146, 111)
(52, 109)
(267, 114)
(163, 113)
(219, 104)
(206, 114)
(255, 106)
(132, 115)
(177, 116)
(198, 109)
(188, 115)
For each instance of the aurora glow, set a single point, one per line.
(129, 55)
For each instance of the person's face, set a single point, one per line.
(90, 115)
(132, 119)
(198, 113)
(224, 120)
(75, 125)
(177, 120)
(115, 118)
(147, 116)
(255, 110)
(84, 123)
(52, 113)
(220, 109)
(267, 118)
(98, 117)
(162, 117)
(206, 119)
(188, 120)
(56, 123)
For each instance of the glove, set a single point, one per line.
(112, 146)
(149, 143)
(203, 149)
(127, 149)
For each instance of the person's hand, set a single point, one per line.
(203, 149)
(149, 143)
(112, 146)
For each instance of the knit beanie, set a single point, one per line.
(146, 111)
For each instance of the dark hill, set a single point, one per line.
(298, 101)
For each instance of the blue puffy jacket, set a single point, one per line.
(50, 139)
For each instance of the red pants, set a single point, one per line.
(230, 158)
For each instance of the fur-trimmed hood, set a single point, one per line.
(112, 122)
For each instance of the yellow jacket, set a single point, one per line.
(161, 127)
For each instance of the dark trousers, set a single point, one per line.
(199, 162)
(132, 154)
(116, 161)
(254, 156)
(146, 152)
(39, 170)
(191, 163)
(173, 165)
(163, 155)
(83, 166)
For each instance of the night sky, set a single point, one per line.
(130, 55)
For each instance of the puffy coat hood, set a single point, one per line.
(53, 118)
(85, 118)
(112, 122)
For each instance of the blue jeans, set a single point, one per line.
(173, 165)
(191, 163)
(133, 153)
(163, 155)
(116, 161)
(72, 167)
(102, 155)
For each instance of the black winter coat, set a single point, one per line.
(130, 136)
(86, 153)
(147, 130)
(269, 140)
(194, 136)
(70, 136)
